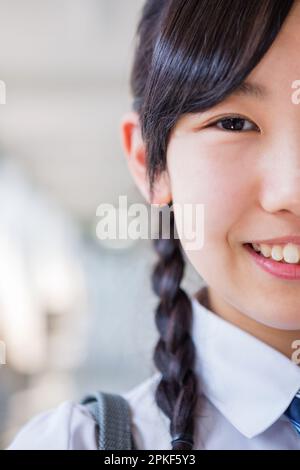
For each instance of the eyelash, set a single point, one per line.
(234, 117)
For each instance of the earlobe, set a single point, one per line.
(162, 189)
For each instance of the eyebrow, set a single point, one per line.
(251, 89)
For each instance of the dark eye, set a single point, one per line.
(235, 124)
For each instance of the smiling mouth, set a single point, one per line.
(277, 268)
(288, 254)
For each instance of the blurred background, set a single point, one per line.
(76, 314)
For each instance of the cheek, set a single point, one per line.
(204, 174)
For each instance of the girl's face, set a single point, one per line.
(248, 182)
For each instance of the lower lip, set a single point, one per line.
(287, 271)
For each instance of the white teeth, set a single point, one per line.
(256, 247)
(266, 250)
(290, 253)
(276, 253)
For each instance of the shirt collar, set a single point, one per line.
(248, 381)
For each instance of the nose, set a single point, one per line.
(280, 178)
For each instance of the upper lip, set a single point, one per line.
(281, 240)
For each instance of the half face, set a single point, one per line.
(241, 160)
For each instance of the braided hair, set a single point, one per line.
(190, 55)
(174, 353)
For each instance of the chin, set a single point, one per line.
(283, 322)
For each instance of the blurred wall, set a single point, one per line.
(66, 65)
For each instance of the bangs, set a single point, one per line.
(206, 49)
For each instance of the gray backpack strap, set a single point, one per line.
(112, 414)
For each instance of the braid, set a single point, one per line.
(174, 353)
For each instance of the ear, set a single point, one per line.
(135, 153)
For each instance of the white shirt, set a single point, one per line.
(245, 387)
